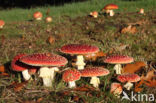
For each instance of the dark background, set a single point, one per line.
(33, 3)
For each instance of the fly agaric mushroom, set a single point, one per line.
(109, 9)
(94, 14)
(116, 89)
(118, 60)
(70, 76)
(37, 15)
(24, 68)
(80, 50)
(48, 19)
(129, 78)
(2, 23)
(45, 60)
(141, 11)
(93, 72)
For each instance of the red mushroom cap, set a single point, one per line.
(44, 59)
(110, 7)
(79, 49)
(71, 75)
(118, 59)
(116, 88)
(2, 22)
(94, 71)
(37, 15)
(128, 78)
(19, 66)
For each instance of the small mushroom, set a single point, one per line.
(24, 68)
(116, 89)
(70, 76)
(94, 72)
(48, 62)
(37, 15)
(94, 14)
(48, 19)
(2, 23)
(141, 11)
(118, 60)
(80, 50)
(109, 9)
(129, 78)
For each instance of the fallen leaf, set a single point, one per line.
(84, 88)
(132, 68)
(120, 47)
(19, 86)
(151, 83)
(50, 40)
(148, 76)
(130, 29)
(94, 56)
(137, 86)
(39, 100)
(2, 68)
(4, 74)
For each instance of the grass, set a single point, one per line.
(73, 25)
(76, 9)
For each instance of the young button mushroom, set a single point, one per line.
(109, 9)
(70, 76)
(19, 66)
(37, 15)
(141, 11)
(129, 78)
(118, 60)
(80, 50)
(48, 62)
(48, 19)
(116, 89)
(93, 72)
(94, 14)
(2, 23)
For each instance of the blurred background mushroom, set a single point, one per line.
(37, 15)
(109, 9)
(2, 23)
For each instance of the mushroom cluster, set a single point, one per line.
(48, 63)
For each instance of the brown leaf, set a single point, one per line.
(129, 29)
(151, 83)
(137, 85)
(148, 76)
(48, 11)
(50, 40)
(132, 68)
(4, 74)
(19, 86)
(39, 100)
(2, 39)
(84, 88)
(2, 68)
(94, 56)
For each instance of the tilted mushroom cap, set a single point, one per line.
(128, 78)
(71, 75)
(94, 71)
(110, 7)
(19, 66)
(116, 88)
(118, 59)
(79, 49)
(2, 22)
(44, 59)
(37, 15)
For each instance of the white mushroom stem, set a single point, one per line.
(118, 68)
(107, 11)
(80, 62)
(1, 27)
(95, 81)
(26, 74)
(111, 13)
(47, 74)
(128, 85)
(38, 18)
(72, 84)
